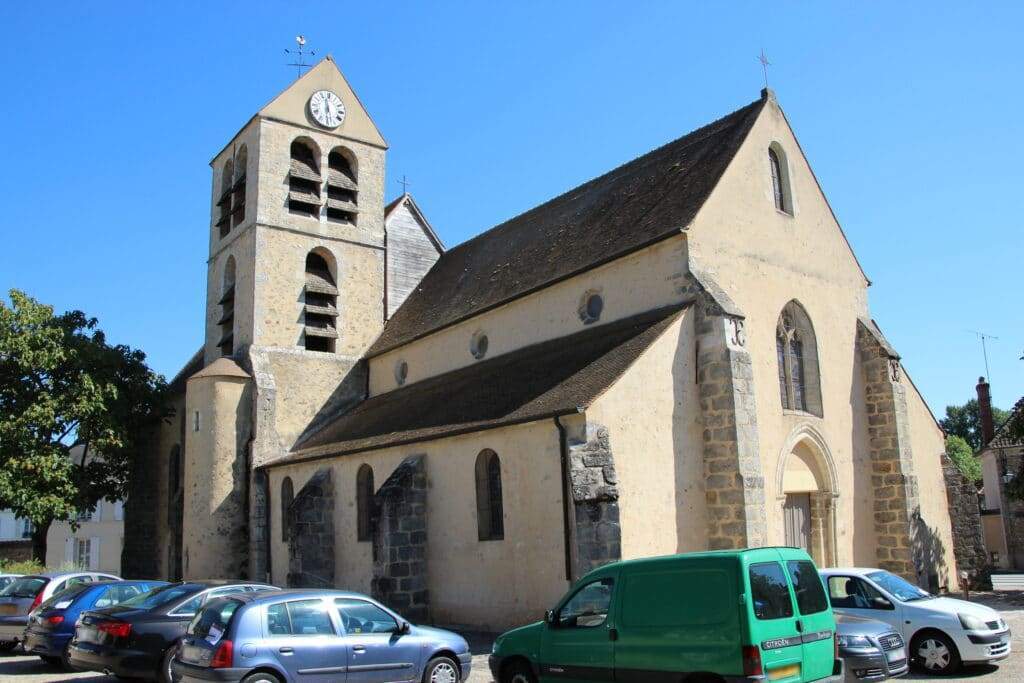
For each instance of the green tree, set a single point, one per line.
(959, 451)
(61, 386)
(965, 421)
(1014, 433)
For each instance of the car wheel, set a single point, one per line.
(935, 653)
(518, 672)
(65, 658)
(441, 670)
(52, 661)
(8, 645)
(165, 675)
(261, 677)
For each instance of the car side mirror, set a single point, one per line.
(549, 617)
(404, 627)
(881, 603)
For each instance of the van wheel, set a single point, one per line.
(441, 670)
(518, 672)
(935, 653)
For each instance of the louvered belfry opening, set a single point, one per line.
(227, 311)
(321, 305)
(238, 189)
(341, 189)
(224, 201)
(304, 181)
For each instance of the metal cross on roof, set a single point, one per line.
(405, 184)
(300, 53)
(763, 58)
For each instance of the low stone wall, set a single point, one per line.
(965, 516)
(16, 551)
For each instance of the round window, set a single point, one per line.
(478, 345)
(591, 307)
(401, 372)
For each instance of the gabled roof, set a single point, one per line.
(1002, 438)
(556, 377)
(194, 365)
(419, 215)
(642, 202)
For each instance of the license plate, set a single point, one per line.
(784, 672)
(8, 609)
(895, 655)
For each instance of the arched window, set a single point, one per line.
(796, 351)
(224, 201)
(341, 186)
(227, 310)
(304, 179)
(780, 179)
(321, 303)
(364, 501)
(490, 516)
(238, 189)
(287, 496)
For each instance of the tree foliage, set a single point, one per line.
(965, 421)
(61, 386)
(959, 451)
(1014, 434)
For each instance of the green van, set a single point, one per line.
(737, 615)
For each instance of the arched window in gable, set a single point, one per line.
(227, 310)
(224, 201)
(287, 496)
(796, 350)
(490, 515)
(342, 188)
(304, 179)
(780, 179)
(238, 189)
(364, 502)
(321, 303)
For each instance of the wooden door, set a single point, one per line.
(797, 515)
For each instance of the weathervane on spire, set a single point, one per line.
(300, 53)
(763, 58)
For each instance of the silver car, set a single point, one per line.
(26, 593)
(871, 650)
(315, 636)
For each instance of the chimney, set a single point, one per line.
(988, 428)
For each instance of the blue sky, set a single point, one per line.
(910, 115)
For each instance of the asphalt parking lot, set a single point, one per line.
(18, 668)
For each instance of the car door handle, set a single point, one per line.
(799, 626)
(286, 650)
(613, 634)
(358, 648)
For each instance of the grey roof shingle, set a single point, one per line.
(555, 377)
(644, 201)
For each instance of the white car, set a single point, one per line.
(943, 633)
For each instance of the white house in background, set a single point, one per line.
(14, 528)
(96, 544)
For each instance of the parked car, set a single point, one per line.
(943, 632)
(739, 614)
(26, 593)
(7, 579)
(52, 624)
(137, 638)
(871, 650)
(315, 635)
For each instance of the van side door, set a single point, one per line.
(816, 624)
(578, 641)
(773, 621)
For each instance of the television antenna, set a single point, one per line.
(984, 349)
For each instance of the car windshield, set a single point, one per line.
(66, 596)
(25, 587)
(160, 596)
(898, 587)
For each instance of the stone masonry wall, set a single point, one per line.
(896, 506)
(965, 516)
(400, 541)
(597, 534)
(311, 534)
(734, 483)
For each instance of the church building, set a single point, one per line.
(675, 356)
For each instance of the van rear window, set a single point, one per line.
(770, 591)
(810, 593)
(689, 597)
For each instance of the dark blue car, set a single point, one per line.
(52, 624)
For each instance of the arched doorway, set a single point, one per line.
(807, 492)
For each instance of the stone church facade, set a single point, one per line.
(677, 355)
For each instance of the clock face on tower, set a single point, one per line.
(327, 108)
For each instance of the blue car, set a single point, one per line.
(314, 636)
(52, 624)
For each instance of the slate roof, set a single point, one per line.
(556, 377)
(642, 202)
(194, 365)
(1002, 438)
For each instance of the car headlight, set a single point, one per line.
(854, 641)
(972, 623)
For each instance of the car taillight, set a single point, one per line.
(224, 657)
(118, 629)
(752, 661)
(55, 619)
(38, 601)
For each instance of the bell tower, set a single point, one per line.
(295, 294)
